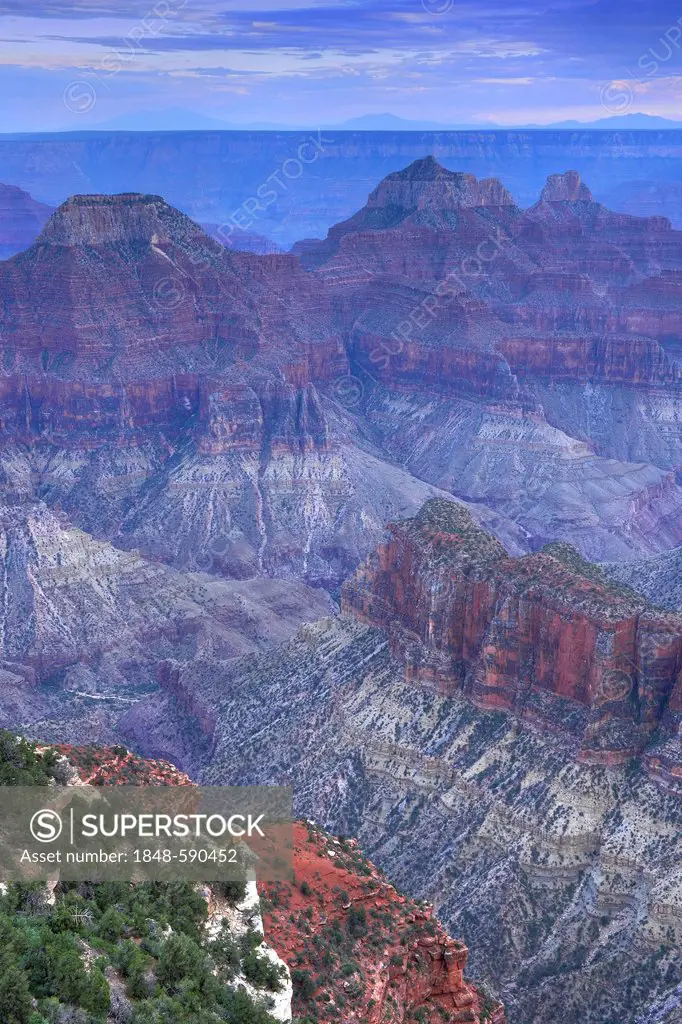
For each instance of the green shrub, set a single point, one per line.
(181, 958)
(15, 997)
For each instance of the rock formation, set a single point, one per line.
(231, 408)
(546, 637)
(490, 338)
(187, 406)
(502, 734)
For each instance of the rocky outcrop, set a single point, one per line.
(475, 325)
(568, 270)
(546, 637)
(116, 766)
(566, 188)
(341, 910)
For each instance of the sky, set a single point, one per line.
(74, 64)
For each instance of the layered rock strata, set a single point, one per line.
(546, 637)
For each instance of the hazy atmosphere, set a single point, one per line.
(183, 63)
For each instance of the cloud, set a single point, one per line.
(351, 56)
(506, 81)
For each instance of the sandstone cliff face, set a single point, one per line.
(546, 637)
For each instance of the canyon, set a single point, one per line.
(216, 394)
(394, 518)
(481, 724)
(211, 174)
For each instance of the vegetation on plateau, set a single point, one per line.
(91, 952)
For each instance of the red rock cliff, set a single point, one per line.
(545, 637)
(124, 316)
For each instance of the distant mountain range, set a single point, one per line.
(628, 122)
(388, 122)
(176, 119)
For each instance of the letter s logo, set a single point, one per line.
(46, 826)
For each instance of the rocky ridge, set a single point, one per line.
(209, 175)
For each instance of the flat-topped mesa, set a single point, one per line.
(426, 183)
(129, 218)
(125, 317)
(547, 636)
(566, 188)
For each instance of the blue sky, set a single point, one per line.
(77, 63)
